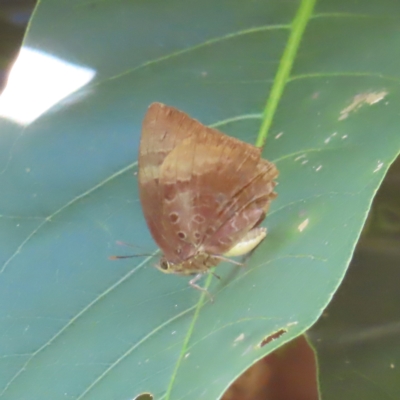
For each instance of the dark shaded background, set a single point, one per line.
(14, 17)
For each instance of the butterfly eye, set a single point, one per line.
(164, 265)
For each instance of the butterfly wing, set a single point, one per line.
(215, 189)
(163, 129)
(199, 187)
(248, 209)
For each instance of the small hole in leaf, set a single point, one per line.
(273, 336)
(144, 396)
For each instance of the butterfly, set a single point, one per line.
(203, 193)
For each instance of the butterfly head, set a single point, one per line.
(165, 266)
(198, 263)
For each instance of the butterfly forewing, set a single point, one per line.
(162, 129)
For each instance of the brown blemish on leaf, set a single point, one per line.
(144, 396)
(360, 100)
(272, 337)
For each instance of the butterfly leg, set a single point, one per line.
(229, 260)
(214, 274)
(194, 285)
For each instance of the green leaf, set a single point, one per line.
(76, 325)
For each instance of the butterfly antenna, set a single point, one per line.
(129, 256)
(229, 260)
(120, 243)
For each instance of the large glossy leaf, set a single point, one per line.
(321, 79)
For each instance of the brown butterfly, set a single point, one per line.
(203, 193)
